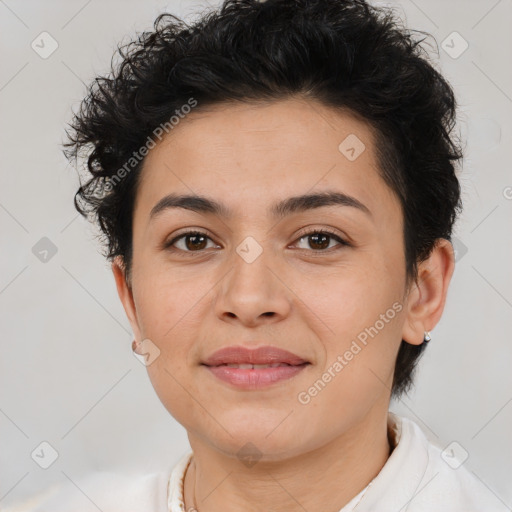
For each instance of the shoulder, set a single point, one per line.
(105, 491)
(421, 476)
(450, 482)
(446, 483)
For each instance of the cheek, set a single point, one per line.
(167, 310)
(348, 298)
(174, 391)
(166, 300)
(358, 315)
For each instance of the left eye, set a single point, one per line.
(320, 240)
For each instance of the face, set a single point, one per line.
(322, 280)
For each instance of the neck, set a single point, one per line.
(321, 480)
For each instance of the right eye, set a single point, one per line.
(191, 241)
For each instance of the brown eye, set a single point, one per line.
(192, 241)
(320, 241)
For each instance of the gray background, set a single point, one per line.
(67, 372)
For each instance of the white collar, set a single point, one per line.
(415, 478)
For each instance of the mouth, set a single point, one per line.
(264, 356)
(252, 369)
(248, 366)
(254, 377)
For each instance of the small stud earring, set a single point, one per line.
(426, 337)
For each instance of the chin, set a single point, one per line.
(264, 434)
(253, 449)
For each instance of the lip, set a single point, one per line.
(254, 378)
(261, 355)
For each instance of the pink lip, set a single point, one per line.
(249, 378)
(260, 355)
(255, 378)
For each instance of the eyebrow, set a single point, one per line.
(295, 204)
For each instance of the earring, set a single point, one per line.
(426, 337)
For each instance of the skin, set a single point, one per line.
(315, 456)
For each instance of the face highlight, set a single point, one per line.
(254, 227)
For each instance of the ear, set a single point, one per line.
(427, 296)
(124, 291)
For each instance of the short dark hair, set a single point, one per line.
(346, 54)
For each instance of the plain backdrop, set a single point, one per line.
(68, 376)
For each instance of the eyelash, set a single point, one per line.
(324, 231)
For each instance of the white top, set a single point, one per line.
(417, 477)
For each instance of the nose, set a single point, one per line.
(253, 292)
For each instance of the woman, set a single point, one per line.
(276, 186)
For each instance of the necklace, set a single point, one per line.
(193, 508)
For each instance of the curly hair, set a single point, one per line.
(346, 54)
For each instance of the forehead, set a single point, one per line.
(250, 154)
